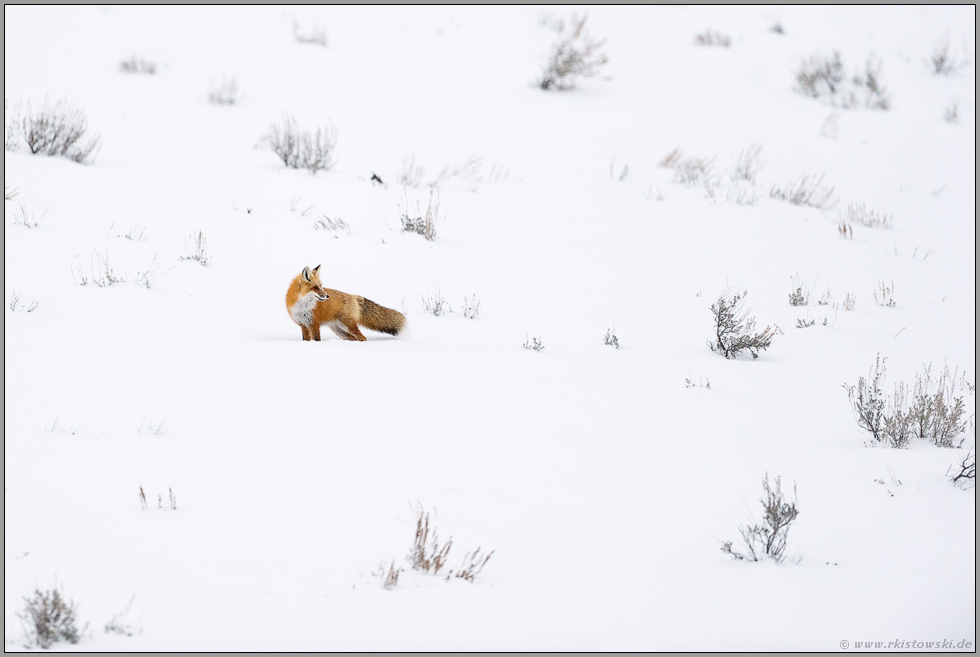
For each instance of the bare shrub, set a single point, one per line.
(388, 572)
(857, 213)
(469, 173)
(196, 248)
(471, 307)
(136, 233)
(777, 28)
(964, 473)
(735, 330)
(885, 417)
(150, 426)
(435, 304)
(148, 277)
(767, 538)
(58, 130)
(323, 222)
(742, 193)
(101, 273)
(611, 339)
(120, 622)
(225, 93)
(938, 410)
(808, 190)
(302, 149)
(426, 554)
(16, 305)
(691, 170)
(472, 566)
(419, 223)
(316, 35)
(884, 295)
(712, 38)
(138, 65)
(952, 113)
(48, 618)
(942, 61)
(820, 76)
(575, 54)
(844, 229)
(411, 174)
(28, 219)
(749, 163)
(799, 294)
(534, 344)
(9, 192)
(805, 323)
(826, 299)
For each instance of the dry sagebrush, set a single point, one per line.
(573, 55)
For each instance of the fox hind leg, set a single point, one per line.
(355, 333)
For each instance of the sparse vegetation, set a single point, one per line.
(749, 163)
(138, 65)
(302, 149)
(964, 472)
(196, 248)
(323, 222)
(767, 538)
(411, 174)
(735, 330)
(316, 35)
(225, 93)
(427, 555)
(824, 77)
(942, 61)
(9, 192)
(938, 409)
(691, 170)
(148, 277)
(952, 113)
(884, 295)
(471, 307)
(48, 619)
(573, 55)
(28, 219)
(435, 304)
(388, 572)
(850, 303)
(534, 344)
(611, 339)
(777, 28)
(857, 213)
(799, 294)
(101, 273)
(712, 38)
(472, 566)
(831, 127)
(419, 223)
(16, 305)
(120, 622)
(58, 130)
(808, 190)
(150, 427)
(844, 229)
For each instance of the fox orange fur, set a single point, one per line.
(311, 305)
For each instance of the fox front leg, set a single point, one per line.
(315, 332)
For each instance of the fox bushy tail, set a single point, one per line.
(379, 318)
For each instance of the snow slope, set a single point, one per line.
(603, 482)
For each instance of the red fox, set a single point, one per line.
(310, 305)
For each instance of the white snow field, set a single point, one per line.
(604, 483)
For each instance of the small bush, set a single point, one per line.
(534, 344)
(735, 330)
(28, 219)
(850, 303)
(964, 473)
(197, 249)
(574, 55)
(808, 190)
(58, 130)
(426, 554)
(435, 304)
(885, 417)
(225, 93)
(823, 77)
(938, 410)
(952, 113)
(301, 149)
(416, 222)
(769, 537)
(120, 622)
(857, 213)
(471, 307)
(137, 65)
(885, 294)
(48, 618)
(749, 163)
(713, 38)
(611, 339)
(942, 61)
(799, 294)
(316, 36)
(388, 573)
(777, 28)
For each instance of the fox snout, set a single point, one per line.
(321, 296)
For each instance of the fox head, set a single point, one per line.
(309, 283)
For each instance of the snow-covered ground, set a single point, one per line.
(604, 483)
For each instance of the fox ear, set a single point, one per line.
(306, 273)
(316, 269)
